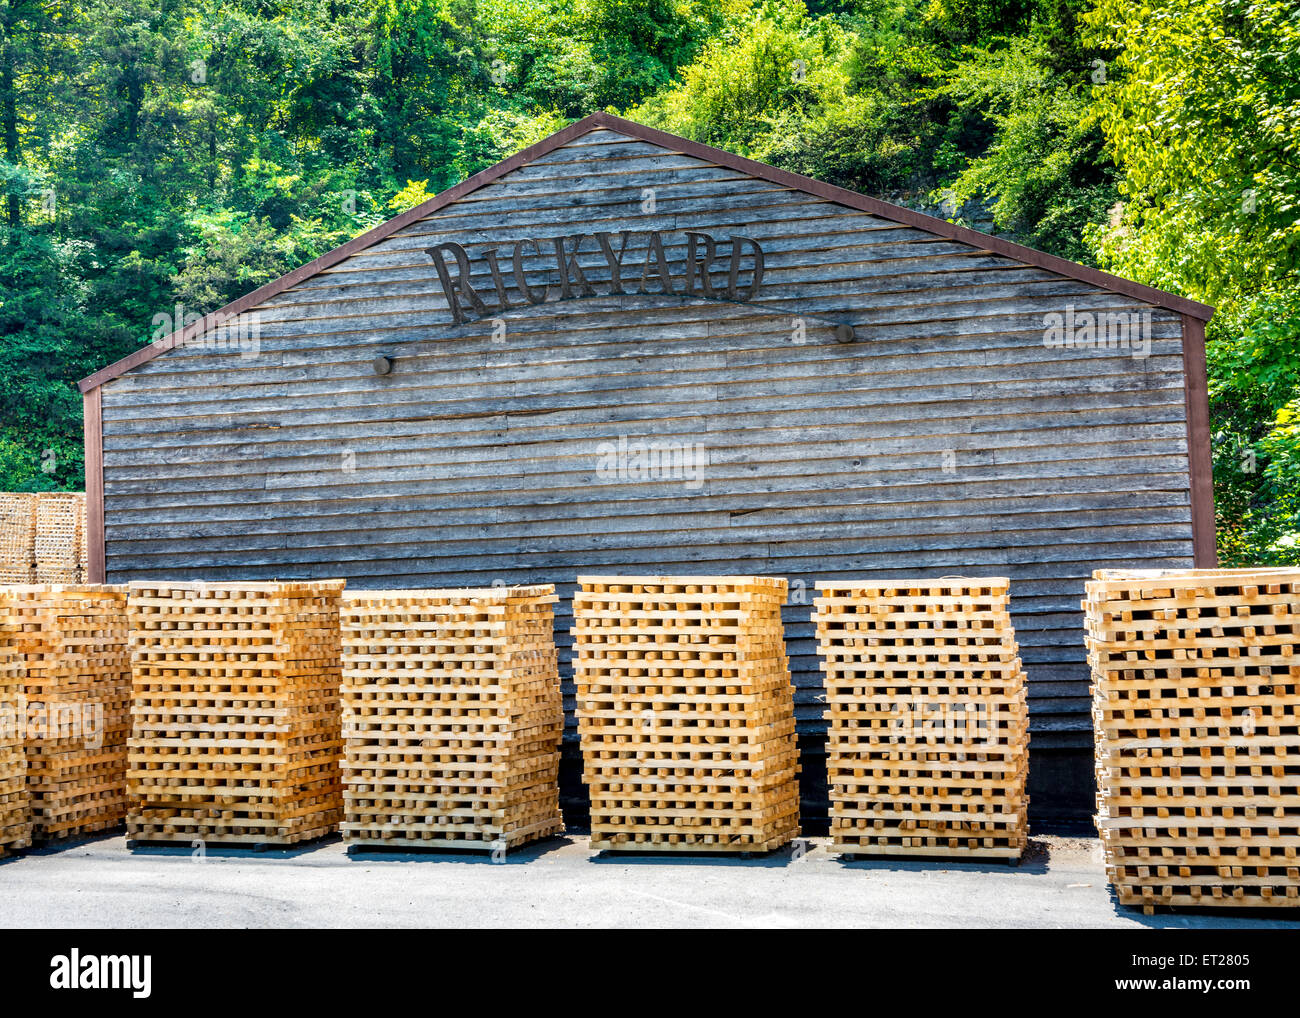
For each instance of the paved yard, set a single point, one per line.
(1060, 883)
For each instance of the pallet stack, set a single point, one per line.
(686, 713)
(77, 685)
(1196, 710)
(15, 800)
(236, 707)
(60, 527)
(83, 542)
(928, 735)
(17, 537)
(452, 718)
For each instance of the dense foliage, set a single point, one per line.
(159, 155)
(1203, 118)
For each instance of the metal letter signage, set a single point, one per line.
(609, 269)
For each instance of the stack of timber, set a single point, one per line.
(452, 718)
(83, 542)
(928, 741)
(236, 735)
(15, 800)
(60, 529)
(686, 712)
(1196, 709)
(43, 537)
(72, 641)
(17, 537)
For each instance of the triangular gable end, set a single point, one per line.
(604, 121)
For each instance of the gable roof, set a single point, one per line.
(607, 121)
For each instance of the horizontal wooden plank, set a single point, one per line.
(950, 439)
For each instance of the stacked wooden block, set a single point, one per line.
(43, 537)
(17, 537)
(15, 800)
(58, 544)
(928, 740)
(1196, 708)
(77, 685)
(237, 730)
(452, 718)
(686, 712)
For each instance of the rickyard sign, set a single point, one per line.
(713, 269)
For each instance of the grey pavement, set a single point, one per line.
(561, 883)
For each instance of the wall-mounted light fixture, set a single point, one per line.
(382, 364)
(844, 333)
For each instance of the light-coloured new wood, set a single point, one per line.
(15, 799)
(17, 536)
(928, 735)
(1196, 705)
(43, 537)
(236, 736)
(76, 682)
(59, 543)
(452, 718)
(685, 712)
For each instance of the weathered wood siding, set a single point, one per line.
(948, 440)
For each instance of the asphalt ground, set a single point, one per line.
(103, 882)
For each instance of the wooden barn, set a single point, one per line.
(620, 351)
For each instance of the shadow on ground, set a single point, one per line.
(61, 845)
(189, 848)
(474, 856)
(1035, 859)
(777, 858)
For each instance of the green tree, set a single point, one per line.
(1202, 115)
(1044, 164)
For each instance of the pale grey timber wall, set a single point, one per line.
(947, 440)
